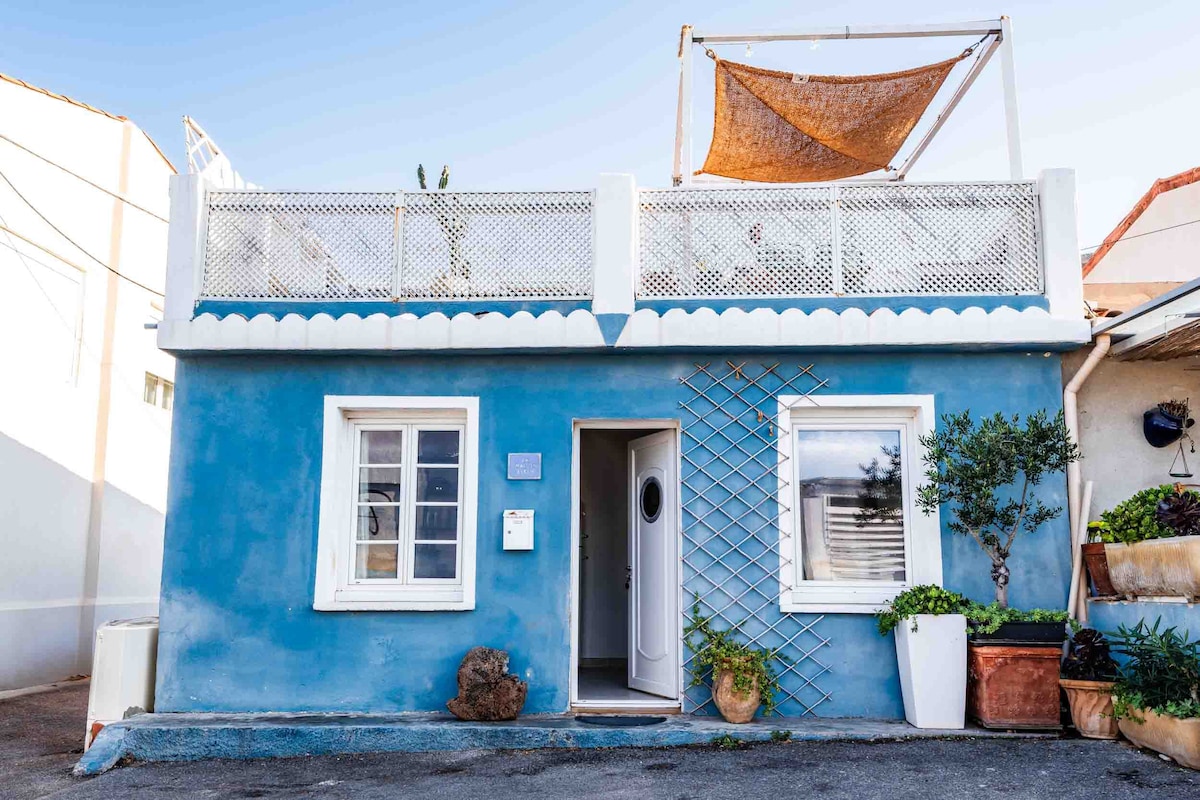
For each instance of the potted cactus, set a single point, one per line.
(1088, 675)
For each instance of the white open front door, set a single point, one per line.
(653, 612)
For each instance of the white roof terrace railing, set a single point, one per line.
(618, 245)
(842, 240)
(411, 245)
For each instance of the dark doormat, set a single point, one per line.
(613, 721)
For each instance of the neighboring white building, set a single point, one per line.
(1152, 250)
(85, 408)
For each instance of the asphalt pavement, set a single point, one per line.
(40, 736)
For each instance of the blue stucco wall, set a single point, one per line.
(1108, 615)
(238, 632)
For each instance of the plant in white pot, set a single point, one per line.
(931, 651)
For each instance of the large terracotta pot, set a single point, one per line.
(1171, 736)
(1097, 566)
(735, 706)
(1156, 568)
(1014, 686)
(1091, 707)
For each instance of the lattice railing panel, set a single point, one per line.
(272, 245)
(411, 246)
(940, 239)
(871, 239)
(497, 244)
(732, 556)
(735, 242)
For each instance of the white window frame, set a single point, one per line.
(914, 414)
(335, 587)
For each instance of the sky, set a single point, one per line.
(548, 95)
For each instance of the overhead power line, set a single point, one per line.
(93, 184)
(80, 248)
(1140, 235)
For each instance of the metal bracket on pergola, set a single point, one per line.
(998, 33)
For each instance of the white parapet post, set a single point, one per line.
(185, 246)
(614, 266)
(1060, 243)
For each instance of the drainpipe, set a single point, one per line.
(1074, 471)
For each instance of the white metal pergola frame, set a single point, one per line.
(996, 33)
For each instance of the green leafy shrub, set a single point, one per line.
(1136, 519)
(717, 650)
(989, 618)
(1089, 658)
(926, 599)
(987, 470)
(1161, 671)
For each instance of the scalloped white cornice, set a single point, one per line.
(579, 330)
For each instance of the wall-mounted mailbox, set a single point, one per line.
(518, 529)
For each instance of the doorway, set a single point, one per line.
(625, 653)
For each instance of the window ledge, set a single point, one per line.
(376, 600)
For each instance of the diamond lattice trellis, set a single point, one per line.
(732, 556)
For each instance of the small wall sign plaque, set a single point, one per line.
(524, 466)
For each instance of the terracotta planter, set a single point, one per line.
(1156, 568)
(1013, 687)
(1171, 736)
(1091, 707)
(1097, 567)
(735, 706)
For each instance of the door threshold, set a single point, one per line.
(626, 707)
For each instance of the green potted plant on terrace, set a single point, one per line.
(742, 675)
(1157, 694)
(1152, 543)
(987, 472)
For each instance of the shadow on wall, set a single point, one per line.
(43, 535)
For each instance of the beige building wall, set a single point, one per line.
(1115, 454)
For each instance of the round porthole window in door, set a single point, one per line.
(651, 499)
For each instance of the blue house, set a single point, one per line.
(407, 424)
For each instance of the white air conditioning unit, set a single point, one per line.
(122, 672)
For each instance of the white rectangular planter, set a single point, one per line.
(933, 669)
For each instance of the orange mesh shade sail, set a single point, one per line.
(781, 127)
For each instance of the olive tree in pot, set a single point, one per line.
(1157, 695)
(1088, 673)
(742, 675)
(987, 472)
(931, 651)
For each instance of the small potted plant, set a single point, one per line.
(931, 651)
(1152, 543)
(1088, 673)
(1095, 559)
(987, 472)
(1166, 423)
(1157, 695)
(742, 676)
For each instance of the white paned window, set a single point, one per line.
(398, 487)
(851, 537)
